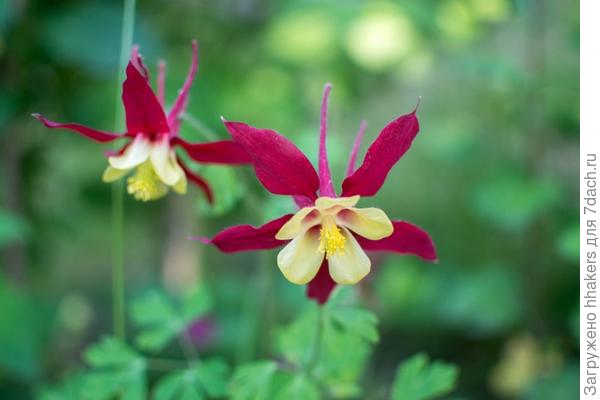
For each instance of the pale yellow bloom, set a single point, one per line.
(326, 231)
(156, 167)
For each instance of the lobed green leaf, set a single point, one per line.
(419, 379)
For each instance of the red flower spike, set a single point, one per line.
(143, 112)
(325, 241)
(153, 137)
(181, 102)
(223, 152)
(326, 184)
(391, 144)
(247, 237)
(98, 136)
(406, 239)
(160, 82)
(138, 62)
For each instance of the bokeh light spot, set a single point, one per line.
(380, 38)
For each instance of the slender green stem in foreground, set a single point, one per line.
(316, 351)
(118, 273)
(118, 259)
(256, 304)
(255, 311)
(188, 347)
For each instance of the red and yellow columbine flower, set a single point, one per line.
(153, 134)
(325, 241)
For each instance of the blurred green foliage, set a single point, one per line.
(492, 177)
(161, 321)
(418, 379)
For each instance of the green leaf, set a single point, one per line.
(419, 379)
(195, 304)
(346, 343)
(110, 352)
(209, 378)
(178, 386)
(213, 375)
(342, 360)
(253, 381)
(299, 388)
(357, 321)
(168, 387)
(161, 320)
(117, 370)
(154, 307)
(296, 339)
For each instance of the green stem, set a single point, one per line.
(189, 349)
(316, 350)
(118, 273)
(118, 259)
(247, 345)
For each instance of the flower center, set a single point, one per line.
(145, 184)
(330, 237)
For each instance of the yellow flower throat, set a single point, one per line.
(331, 239)
(145, 184)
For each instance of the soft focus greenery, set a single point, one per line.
(492, 177)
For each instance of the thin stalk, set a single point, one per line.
(118, 259)
(118, 273)
(189, 350)
(313, 362)
(255, 311)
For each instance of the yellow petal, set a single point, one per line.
(371, 223)
(299, 223)
(145, 185)
(299, 260)
(324, 203)
(112, 174)
(181, 185)
(164, 162)
(134, 155)
(351, 265)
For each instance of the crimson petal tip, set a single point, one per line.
(418, 104)
(202, 239)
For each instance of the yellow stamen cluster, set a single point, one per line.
(331, 239)
(145, 184)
